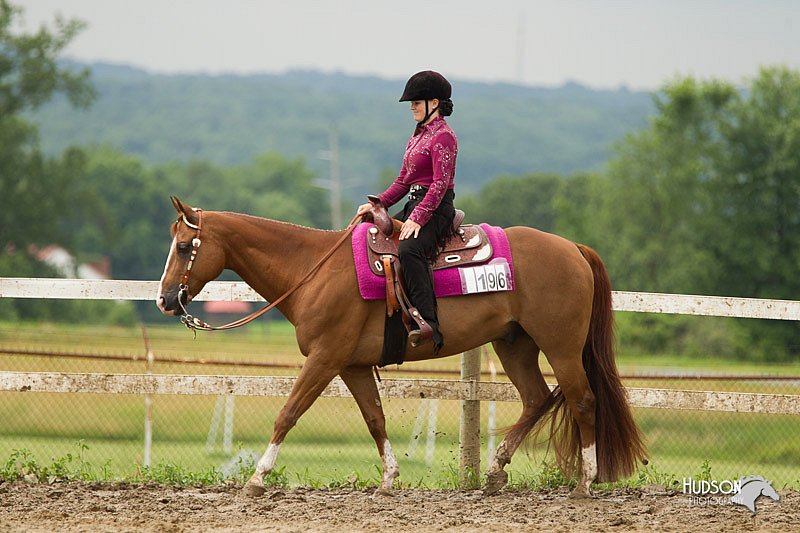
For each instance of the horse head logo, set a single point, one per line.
(750, 488)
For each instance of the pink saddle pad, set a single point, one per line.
(496, 274)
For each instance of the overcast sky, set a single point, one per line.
(600, 43)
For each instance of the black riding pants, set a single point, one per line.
(417, 255)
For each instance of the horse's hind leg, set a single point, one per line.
(361, 383)
(520, 361)
(310, 383)
(568, 368)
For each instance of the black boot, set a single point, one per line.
(420, 330)
(428, 331)
(415, 257)
(437, 338)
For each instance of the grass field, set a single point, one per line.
(331, 442)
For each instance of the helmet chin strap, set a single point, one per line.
(427, 114)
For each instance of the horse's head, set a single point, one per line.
(195, 258)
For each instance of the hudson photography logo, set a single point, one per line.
(745, 491)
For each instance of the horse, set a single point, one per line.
(560, 306)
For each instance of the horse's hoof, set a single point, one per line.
(495, 481)
(252, 490)
(579, 494)
(381, 491)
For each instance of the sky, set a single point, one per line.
(604, 44)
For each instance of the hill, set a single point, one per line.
(228, 119)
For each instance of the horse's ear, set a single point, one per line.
(179, 206)
(183, 209)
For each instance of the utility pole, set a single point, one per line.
(334, 181)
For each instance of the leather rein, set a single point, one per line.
(195, 323)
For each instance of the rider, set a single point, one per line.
(427, 176)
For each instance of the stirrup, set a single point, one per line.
(422, 333)
(417, 337)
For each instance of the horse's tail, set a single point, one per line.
(620, 448)
(619, 443)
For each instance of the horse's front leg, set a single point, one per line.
(361, 383)
(312, 380)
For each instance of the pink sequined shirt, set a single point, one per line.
(429, 161)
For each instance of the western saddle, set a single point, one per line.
(468, 245)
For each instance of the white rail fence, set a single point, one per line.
(643, 302)
(429, 389)
(469, 391)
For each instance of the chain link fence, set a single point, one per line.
(330, 443)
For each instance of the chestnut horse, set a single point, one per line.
(561, 305)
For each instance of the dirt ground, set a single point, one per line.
(116, 507)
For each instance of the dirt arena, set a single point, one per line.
(123, 507)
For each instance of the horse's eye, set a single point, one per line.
(184, 247)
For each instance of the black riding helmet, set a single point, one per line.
(426, 85)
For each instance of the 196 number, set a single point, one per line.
(486, 278)
(491, 281)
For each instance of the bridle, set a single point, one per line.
(183, 287)
(195, 323)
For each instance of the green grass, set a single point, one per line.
(331, 445)
(77, 465)
(330, 453)
(683, 364)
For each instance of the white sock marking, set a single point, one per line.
(267, 461)
(589, 464)
(390, 466)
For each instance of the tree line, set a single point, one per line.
(704, 200)
(229, 120)
(701, 200)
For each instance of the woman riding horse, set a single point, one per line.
(428, 177)
(560, 305)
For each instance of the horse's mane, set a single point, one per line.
(271, 220)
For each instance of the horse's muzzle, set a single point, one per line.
(167, 303)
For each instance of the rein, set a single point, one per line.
(196, 324)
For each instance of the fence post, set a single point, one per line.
(148, 403)
(470, 431)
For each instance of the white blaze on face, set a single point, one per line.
(172, 249)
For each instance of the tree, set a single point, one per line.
(705, 200)
(126, 216)
(271, 186)
(516, 201)
(35, 190)
(577, 205)
(29, 74)
(39, 196)
(757, 191)
(656, 210)
(757, 194)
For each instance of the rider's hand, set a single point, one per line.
(364, 208)
(409, 228)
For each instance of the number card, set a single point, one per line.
(495, 276)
